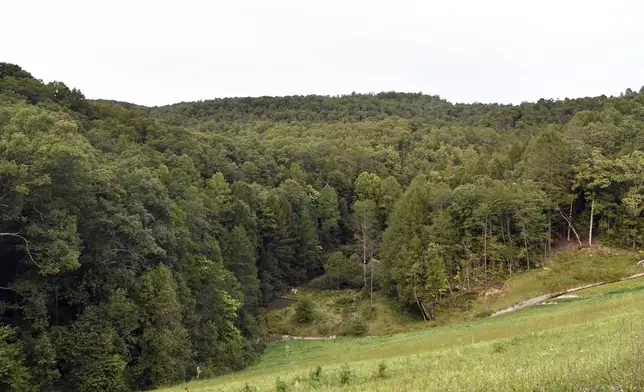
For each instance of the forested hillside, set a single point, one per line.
(137, 244)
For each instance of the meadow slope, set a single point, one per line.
(592, 342)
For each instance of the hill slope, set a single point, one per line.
(594, 341)
(162, 233)
(337, 312)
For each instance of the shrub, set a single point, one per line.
(248, 388)
(324, 329)
(280, 385)
(324, 282)
(316, 374)
(355, 327)
(498, 347)
(381, 371)
(348, 298)
(346, 374)
(304, 312)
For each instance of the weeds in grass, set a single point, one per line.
(248, 388)
(381, 372)
(316, 374)
(498, 347)
(280, 385)
(346, 374)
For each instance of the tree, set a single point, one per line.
(368, 187)
(328, 213)
(389, 193)
(366, 221)
(593, 176)
(14, 374)
(139, 244)
(546, 162)
(239, 258)
(165, 345)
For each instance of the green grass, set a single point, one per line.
(563, 271)
(334, 309)
(591, 343)
(566, 269)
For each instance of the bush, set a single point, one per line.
(498, 347)
(304, 311)
(248, 388)
(381, 371)
(316, 374)
(324, 329)
(324, 282)
(346, 374)
(348, 298)
(355, 327)
(280, 385)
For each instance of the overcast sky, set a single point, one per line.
(161, 52)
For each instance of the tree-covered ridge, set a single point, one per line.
(428, 109)
(138, 244)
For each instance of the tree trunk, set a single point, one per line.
(364, 255)
(420, 306)
(371, 288)
(485, 251)
(572, 200)
(571, 227)
(590, 230)
(525, 242)
(549, 239)
(507, 221)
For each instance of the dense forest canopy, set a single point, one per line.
(139, 243)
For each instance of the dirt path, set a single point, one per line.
(541, 298)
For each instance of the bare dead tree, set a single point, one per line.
(570, 226)
(17, 235)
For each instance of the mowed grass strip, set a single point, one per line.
(591, 343)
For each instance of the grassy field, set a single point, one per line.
(594, 342)
(564, 270)
(335, 309)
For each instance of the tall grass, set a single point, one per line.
(593, 343)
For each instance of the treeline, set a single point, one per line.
(137, 244)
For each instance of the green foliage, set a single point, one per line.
(346, 374)
(280, 385)
(368, 187)
(248, 388)
(316, 374)
(240, 259)
(381, 371)
(14, 374)
(179, 223)
(355, 327)
(595, 341)
(166, 344)
(304, 311)
(340, 273)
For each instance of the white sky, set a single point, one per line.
(161, 52)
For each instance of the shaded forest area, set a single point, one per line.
(139, 243)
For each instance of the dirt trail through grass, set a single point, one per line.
(545, 297)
